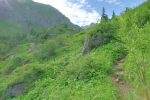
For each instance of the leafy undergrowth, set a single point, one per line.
(52, 66)
(55, 69)
(134, 32)
(81, 78)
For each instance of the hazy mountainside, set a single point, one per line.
(95, 64)
(19, 19)
(29, 15)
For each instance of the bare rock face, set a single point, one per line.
(86, 47)
(94, 42)
(5, 3)
(10, 57)
(16, 90)
(5, 6)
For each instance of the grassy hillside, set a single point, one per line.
(58, 65)
(22, 20)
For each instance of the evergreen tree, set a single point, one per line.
(103, 12)
(104, 15)
(114, 15)
(127, 9)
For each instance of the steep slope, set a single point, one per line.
(19, 18)
(29, 15)
(134, 32)
(55, 69)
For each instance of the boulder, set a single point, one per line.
(16, 90)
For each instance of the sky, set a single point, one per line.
(85, 12)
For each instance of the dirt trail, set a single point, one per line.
(118, 80)
(124, 88)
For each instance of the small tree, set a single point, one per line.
(104, 15)
(114, 15)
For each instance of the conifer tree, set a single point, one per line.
(104, 15)
(114, 15)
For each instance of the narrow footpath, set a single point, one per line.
(124, 88)
(118, 80)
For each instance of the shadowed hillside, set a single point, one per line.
(29, 15)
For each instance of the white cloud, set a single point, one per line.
(116, 2)
(74, 10)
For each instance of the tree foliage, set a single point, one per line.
(104, 15)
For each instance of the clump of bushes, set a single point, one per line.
(47, 51)
(98, 62)
(100, 35)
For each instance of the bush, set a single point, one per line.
(47, 51)
(100, 35)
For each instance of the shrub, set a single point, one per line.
(46, 51)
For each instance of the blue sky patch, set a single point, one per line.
(85, 12)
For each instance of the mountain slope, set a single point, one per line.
(19, 18)
(79, 66)
(29, 15)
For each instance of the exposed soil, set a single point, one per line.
(118, 80)
(123, 86)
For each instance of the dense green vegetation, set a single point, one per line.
(57, 64)
(135, 34)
